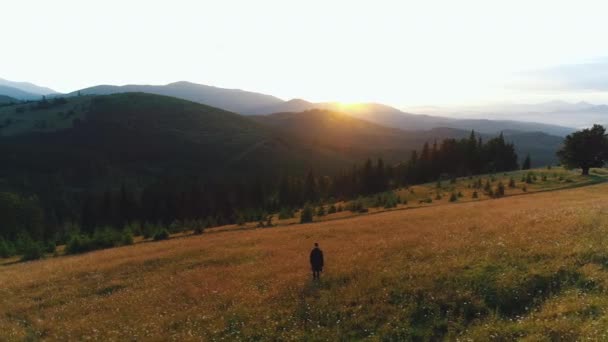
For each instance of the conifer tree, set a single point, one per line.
(527, 164)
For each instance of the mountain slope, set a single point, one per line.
(144, 136)
(27, 87)
(18, 93)
(579, 114)
(7, 100)
(233, 100)
(354, 136)
(250, 103)
(392, 117)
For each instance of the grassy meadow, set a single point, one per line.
(465, 189)
(531, 267)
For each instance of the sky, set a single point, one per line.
(402, 53)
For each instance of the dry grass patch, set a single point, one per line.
(519, 267)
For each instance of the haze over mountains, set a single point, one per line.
(579, 114)
(250, 103)
(27, 87)
(524, 118)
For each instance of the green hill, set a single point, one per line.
(101, 140)
(4, 99)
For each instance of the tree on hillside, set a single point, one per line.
(527, 163)
(585, 149)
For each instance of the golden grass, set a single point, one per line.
(524, 267)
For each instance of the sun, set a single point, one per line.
(346, 106)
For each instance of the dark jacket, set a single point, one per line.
(316, 259)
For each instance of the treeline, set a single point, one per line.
(104, 219)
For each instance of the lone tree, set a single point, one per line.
(527, 163)
(585, 149)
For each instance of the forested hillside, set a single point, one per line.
(91, 163)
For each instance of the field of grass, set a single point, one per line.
(531, 267)
(430, 194)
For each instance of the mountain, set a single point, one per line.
(541, 146)
(103, 140)
(18, 93)
(97, 140)
(578, 114)
(27, 87)
(234, 100)
(356, 137)
(251, 103)
(392, 117)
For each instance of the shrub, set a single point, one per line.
(475, 194)
(453, 197)
(33, 251)
(529, 178)
(286, 213)
(488, 187)
(6, 248)
(306, 215)
(198, 230)
(339, 208)
(460, 194)
(332, 209)
(240, 220)
(321, 211)
(77, 244)
(148, 230)
(162, 234)
(500, 190)
(511, 183)
(127, 238)
(357, 206)
(524, 188)
(544, 178)
(437, 197)
(101, 239)
(50, 247)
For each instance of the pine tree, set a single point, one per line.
(500, 190)
(527, 164)
(488, 187)
(310, 187)
(306, 215)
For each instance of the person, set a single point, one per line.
(316, 261)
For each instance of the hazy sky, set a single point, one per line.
(397, 52)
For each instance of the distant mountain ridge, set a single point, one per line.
(234, 100)
(578, 114)
(18, 93)
(350, 135)
(393, 117)
(27, 87)
(252, 103)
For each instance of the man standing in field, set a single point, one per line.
(316, 261)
